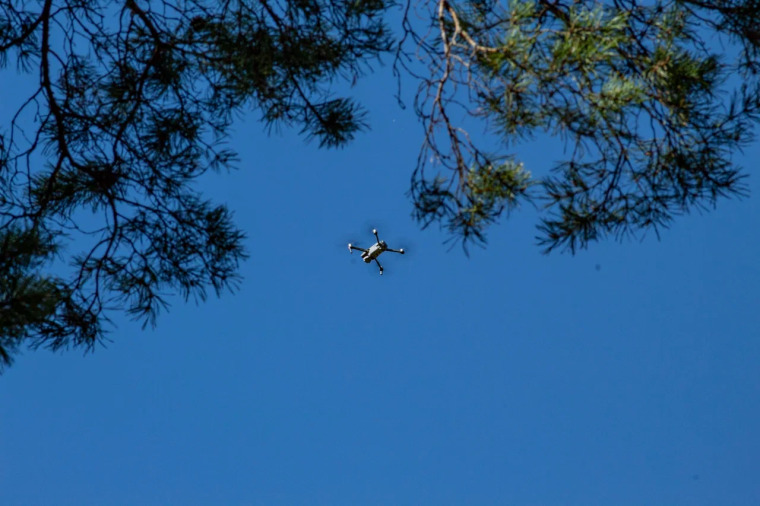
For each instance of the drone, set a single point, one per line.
(374, 251)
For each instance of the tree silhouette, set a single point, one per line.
(649, 112)
(133, 104)
(133, 100)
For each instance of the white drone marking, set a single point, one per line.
(374, 251)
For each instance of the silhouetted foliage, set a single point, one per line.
(650, 100)
(133, 102)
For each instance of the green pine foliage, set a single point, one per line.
(649, 112)
(650, 100)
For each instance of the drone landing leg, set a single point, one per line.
(381, 267)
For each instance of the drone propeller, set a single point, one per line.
(352, 246)
(403, 244)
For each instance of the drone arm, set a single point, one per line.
(378, 264)
(351, 248)
(396, 250)
(374, 231)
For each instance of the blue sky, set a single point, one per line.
(626, 374)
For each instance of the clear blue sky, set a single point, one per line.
(627, 374)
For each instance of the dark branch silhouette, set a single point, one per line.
(131, 103)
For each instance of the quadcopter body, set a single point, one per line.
(374, 251)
